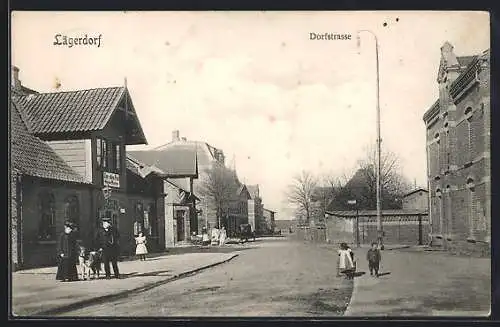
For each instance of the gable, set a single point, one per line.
(60, 114)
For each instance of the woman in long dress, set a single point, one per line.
(222, 236)
(67, 253)
(141, 250)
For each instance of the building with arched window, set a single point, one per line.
(458, 151)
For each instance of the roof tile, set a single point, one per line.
(34, 157)
(81, 110)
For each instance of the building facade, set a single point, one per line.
(269, 225)
(417, 199)
(255, 209)
(88, 131)
(179, 153)
(458, 150)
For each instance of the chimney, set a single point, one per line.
(15, 82)
(175, 135)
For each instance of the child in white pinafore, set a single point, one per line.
(141, 250)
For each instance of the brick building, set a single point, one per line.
(458, 151)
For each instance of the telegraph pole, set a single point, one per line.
(380, 232)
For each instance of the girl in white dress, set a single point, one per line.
(222, 236)
(346, 261)
(141, 250)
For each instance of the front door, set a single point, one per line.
(179, 215)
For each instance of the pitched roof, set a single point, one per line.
(32, 156)
(464, 61)
(77, 111)
(416, 190)
(253, 190)
(179, 161)
(393, 212)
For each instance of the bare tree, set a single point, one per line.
(329, 189)
(394, 185)
(301, 193)
(220, 187)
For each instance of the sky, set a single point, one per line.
(253, 83)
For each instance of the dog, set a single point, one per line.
(90, 264)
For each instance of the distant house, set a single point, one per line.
(174, 204)
(238, 211)
(255, 209)
(191, 159)
(179, 165)
(417, 199)
(285, 226)
(269, 220)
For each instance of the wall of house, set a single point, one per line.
(77, 154)
(37, 252)
(15, 222)
(416, 201)
(398, 229)
(459, 210)
(172, 204)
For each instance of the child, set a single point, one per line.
(346, 264)
(141, 250)
(373, 256)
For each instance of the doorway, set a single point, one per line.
(179, 216)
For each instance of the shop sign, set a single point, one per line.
(111, 180)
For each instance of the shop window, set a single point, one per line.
(47, 223)
(72, 211)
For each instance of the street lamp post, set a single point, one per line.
(380, 232)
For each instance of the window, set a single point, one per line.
(471, 205)
(468, 117)
(72, 211)
(109, 155)
(99, 152)
(104, 153)
(117, 158)
(47, 224)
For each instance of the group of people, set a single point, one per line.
(217, 237)
(347, 263)
(107, 241)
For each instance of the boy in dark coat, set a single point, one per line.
(108, 240)
(373, 256)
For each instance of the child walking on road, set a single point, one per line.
(373, 256)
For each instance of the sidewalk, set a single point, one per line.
(36, 292)
(420, 283)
